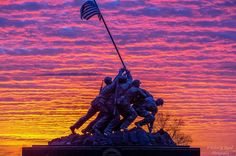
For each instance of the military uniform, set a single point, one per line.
(124, 106)
(106, 116)
(125, 94)
(146, 108)
(98, 105)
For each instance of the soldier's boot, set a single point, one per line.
(72, 128)
(84, 131)
(89, 128)
(78, 124)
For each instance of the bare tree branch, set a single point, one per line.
(173, 126)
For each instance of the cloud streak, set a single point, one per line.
(52, 62)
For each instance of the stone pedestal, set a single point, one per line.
(110, 151)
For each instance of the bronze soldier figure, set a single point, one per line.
(98, 104)
(126, 91)
(147, 108)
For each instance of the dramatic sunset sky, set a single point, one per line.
(52, 64)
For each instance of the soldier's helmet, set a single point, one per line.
(108, 80)
(123, 79)
(136, 83)
(159, 102)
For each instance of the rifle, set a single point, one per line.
(101, 87)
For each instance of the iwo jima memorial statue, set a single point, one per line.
(118, 104)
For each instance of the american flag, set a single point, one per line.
(89, 9)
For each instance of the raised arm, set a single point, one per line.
(121, 71)
(112, 86)
(129, 76)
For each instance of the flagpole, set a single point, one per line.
(113, 41)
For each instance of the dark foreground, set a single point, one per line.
(109, 151)
(135, 142)
(133, 137)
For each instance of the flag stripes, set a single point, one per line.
(89, 9)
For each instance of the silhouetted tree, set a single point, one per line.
(173, 126)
